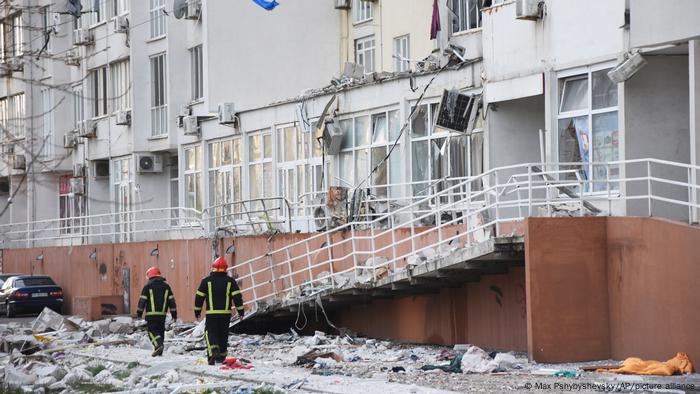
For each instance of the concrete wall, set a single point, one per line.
(600, 288)
(571, 34)
(468, 314)
(656, 118)
(652, 24)
(289, 52)
(513, 131)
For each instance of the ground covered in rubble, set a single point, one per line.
(56, 355)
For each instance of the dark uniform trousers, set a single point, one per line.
(156, 300)
(218, 292)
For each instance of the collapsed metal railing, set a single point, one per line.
(465, 212)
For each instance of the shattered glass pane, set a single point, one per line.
(574, 146)
(606, 148)
(226, 152)
(254, 150)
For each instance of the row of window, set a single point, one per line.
(109, 89)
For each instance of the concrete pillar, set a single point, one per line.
(694, 99)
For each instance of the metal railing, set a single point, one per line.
(460, 213)
(124, 226)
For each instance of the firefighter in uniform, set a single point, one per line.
(217, 291)
(156, 298)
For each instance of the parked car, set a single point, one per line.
(27, 294)
(3, 278)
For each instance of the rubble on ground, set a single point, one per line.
(63, 355)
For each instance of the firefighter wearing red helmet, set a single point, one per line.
(156, 298)
(219, 293)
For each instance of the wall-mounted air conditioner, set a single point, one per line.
(194, 8)
(70, 140)
(148, 163)
(87, 128)
(82, 37)
(72, 58)
(123, 118)
(77, 185)
(333, 138)
(342, 4)
(15, 63)
(531, 10)
(121, 24)
(185, 110)
(19, 162)
(191, 125)
(78, 169)
(227, 113)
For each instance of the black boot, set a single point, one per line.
(158, 351)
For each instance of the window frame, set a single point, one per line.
(123, 184)
(457, 16)
(363, 11)
(589, 112)
(197, 73)
(401, 59)
(73, 216)
(158, 19)
(99, 88)
(197, 174)
(218, 172)
(159, 95)
(120, 85)
(364, 52)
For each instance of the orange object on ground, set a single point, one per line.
(636, 366)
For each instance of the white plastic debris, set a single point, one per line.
(16, 377)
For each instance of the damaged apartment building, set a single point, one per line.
(406, 146)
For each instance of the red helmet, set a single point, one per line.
(219, 265)
(153, 272)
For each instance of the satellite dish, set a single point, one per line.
(179, 8)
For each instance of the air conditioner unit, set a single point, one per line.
(333, 138)
(70, 140)
(627, 68)
(72, 59)
(19, 162)
(191, 125)
(227, 113)
(531, 10)
(185, 110)
(121, 24)
(15, 63)
(77, 185)
(87, 129)
(123, 118)
(82, 37)
(342, 4)
(194, 7)
(149, 163)
(78, 169)
(100, 169)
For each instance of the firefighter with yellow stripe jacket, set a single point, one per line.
(219, 292)
(156, 298)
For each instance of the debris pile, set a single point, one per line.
(60, 354)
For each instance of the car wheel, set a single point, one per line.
(9, 310)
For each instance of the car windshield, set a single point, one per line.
(30, 282)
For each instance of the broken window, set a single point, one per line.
(364, 53)
(363, 10)
(367, 140)
(588, 130)
(466, 15)
(401, 54)
(300, 171)
(435, 155)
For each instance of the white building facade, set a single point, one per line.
(205, 113)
